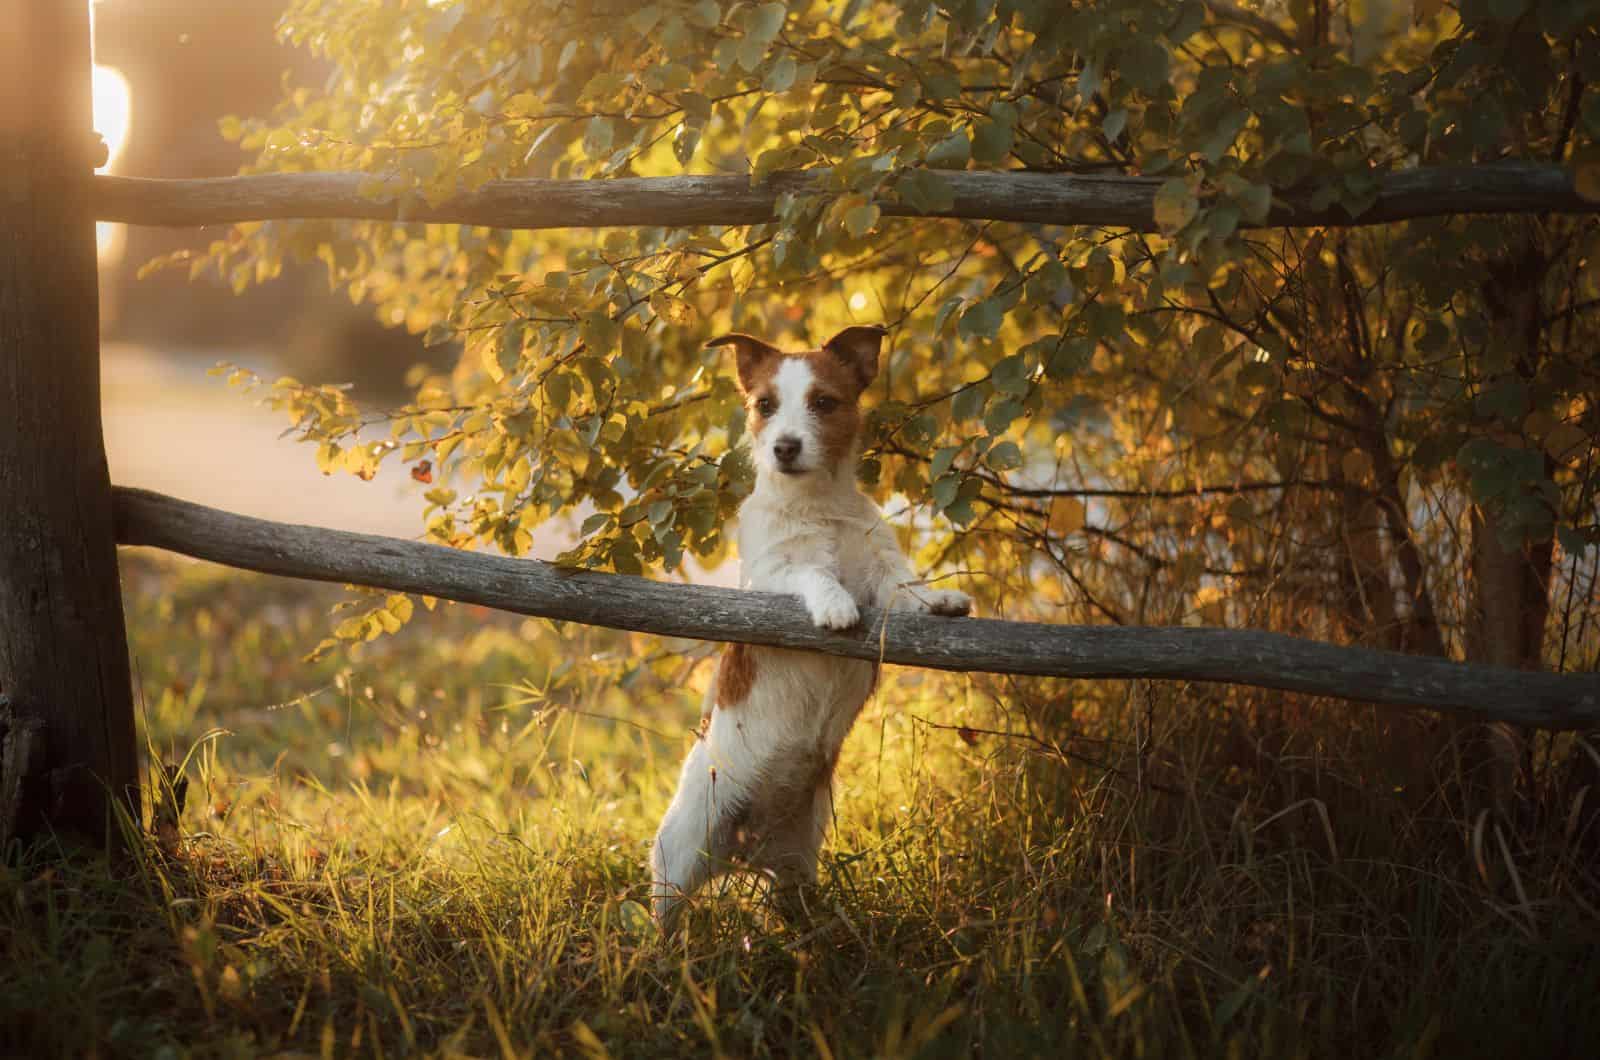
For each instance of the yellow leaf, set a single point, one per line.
(351, 628)
(399, 605)
(489, 354)
(1067, 515)
(1211, 601)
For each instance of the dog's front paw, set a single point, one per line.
(832, 608)
(952, 602)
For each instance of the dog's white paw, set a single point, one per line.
(951, 602)
(832, 608)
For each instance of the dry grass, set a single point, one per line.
(435, 846)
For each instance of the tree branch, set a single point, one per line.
(530, 587)
(1038, 198)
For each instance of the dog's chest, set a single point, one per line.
(842, 540)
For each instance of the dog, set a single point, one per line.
(756, 788)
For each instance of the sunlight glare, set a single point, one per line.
(113, 111)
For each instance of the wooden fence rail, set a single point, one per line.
(531, 587)
(1040, 198)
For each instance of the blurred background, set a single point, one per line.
(166, 72)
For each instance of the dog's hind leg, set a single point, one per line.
(692, 843)
(789, 854)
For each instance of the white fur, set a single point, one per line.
(794, 419)
(757, 785)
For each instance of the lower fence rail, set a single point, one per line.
(533, 587)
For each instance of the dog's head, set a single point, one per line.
(805, 412)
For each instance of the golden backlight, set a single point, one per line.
(113, 110)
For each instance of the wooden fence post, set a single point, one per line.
(68, 751)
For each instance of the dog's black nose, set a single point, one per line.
(786, 449)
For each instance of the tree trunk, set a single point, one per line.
(1511, 602)
(68, 753)
(1510, 569)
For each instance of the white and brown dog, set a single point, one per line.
(756, 789)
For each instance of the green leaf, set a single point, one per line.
(1115, 121)
(686, 142)
(508, 351)
(780, 77)
(706, 14)
(1010, 376)
(1002, 415)
(765, 21)
(1144, 62)
(752, 50)
(919, 429)
(1064, 359)
(968, 405)
(941, 86)
(952, 152)
(644, 19)
(1005, 456)
(925, 191)
(597, 138)
(1506, 401)
(1175, 204)
(981, 319)
(860, 220)
(991, 141)
(1255, 201)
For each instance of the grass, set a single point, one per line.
(434, 845)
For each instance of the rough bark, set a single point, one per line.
(530, 587)
(67, 744)
(1040, 198)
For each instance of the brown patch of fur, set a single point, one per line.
(754, 359)
(736, 672)
(859, 347)
(755, 379)
(837, 428)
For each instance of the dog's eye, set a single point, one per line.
(822, 404)
(766, 406)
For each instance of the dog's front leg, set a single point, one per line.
(830, 604)
(900, 589)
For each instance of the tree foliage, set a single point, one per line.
(1319, 430)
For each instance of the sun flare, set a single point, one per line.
(113, 111)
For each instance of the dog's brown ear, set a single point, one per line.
(859, 347)
(750, 353)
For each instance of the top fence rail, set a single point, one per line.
(1037, 198)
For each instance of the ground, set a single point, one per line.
(435, 845)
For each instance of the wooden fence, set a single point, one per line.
(66, 720)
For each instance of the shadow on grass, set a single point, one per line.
(199, 952)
